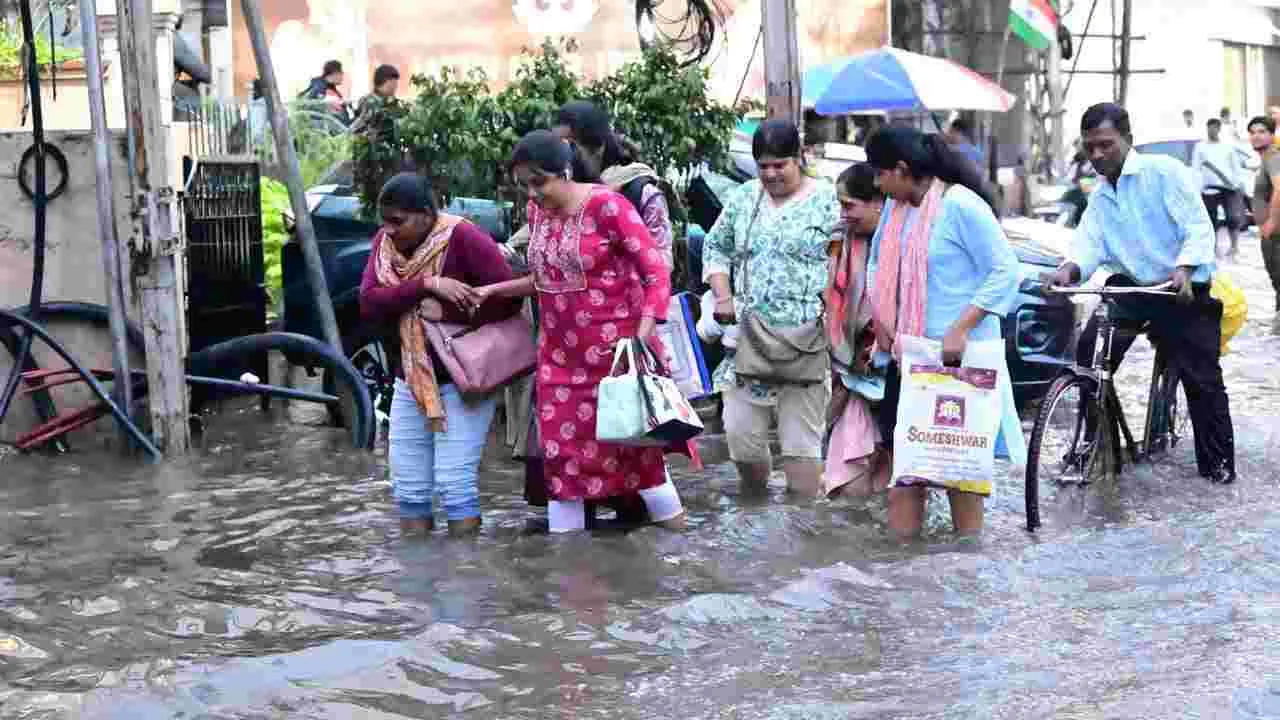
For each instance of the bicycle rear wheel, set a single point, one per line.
(1066, 448)
(1169, 419)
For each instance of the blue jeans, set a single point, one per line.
(423, 462)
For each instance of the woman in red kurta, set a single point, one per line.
(599, 278)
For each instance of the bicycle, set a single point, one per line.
(1087, 448)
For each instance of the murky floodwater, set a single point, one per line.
(266, 579)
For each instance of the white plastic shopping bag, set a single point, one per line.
(620, 416)
(640, 407)
(948, 420)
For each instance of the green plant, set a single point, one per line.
(541, 85)
(665, 109)
(460, 135)
(46, 54)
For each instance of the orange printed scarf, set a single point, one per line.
(394, 268)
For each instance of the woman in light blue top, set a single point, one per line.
(953, 276)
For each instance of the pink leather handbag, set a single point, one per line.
(483, 359)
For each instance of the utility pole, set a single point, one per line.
(293, 173)
(781, 59)
(1126, 29)
(157, 243)
(1057, 119)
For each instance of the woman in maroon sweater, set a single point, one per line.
(421, 267)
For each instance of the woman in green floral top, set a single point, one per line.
(789, 216)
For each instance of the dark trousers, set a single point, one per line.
(1271, 260)
(1189, 336)
(1231, 205)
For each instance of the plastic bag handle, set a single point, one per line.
(625, 348)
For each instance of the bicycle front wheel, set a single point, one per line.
(1064, 447)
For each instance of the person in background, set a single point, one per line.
(1188, 118)
(599, 279)
(785, 218)
(960, 136)
(1147, 224)
(1082, 176)
(259, 119)
(1230, 133)
(1220, 169)
(605, 157)
(386, 81)
(941, 268)
(420, 267)
(326, 89)
(1266, 199)
(852, 463)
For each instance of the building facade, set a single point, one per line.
(1186, 55)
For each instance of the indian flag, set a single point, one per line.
(1035, 21)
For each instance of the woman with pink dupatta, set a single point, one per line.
(941, 268)
(854, 464)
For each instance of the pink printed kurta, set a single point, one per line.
(597, 272)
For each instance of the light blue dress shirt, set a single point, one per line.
(970, 263)
(1149, 224)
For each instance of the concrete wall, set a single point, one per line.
(74, 269)
(74, 260)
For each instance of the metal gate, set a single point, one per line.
(226, 276)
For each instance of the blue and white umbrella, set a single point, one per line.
(890, 80)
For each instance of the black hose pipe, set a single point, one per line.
(33, 330)
(40, 200)
(363, 427)
(92, 313)
(206, 361)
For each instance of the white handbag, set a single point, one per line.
(641, 408)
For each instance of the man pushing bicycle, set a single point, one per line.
(1148, 223)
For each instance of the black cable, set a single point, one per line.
(41, 201)
(53, 56)
(696, 35)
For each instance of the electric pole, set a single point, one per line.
(1126, 33)
(1057, 119)
(156, 244)
(781, 60)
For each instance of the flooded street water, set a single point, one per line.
(266, 579)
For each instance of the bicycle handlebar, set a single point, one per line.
(1163, 289)
(1036, 287)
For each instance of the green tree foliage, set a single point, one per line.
(460, 134)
